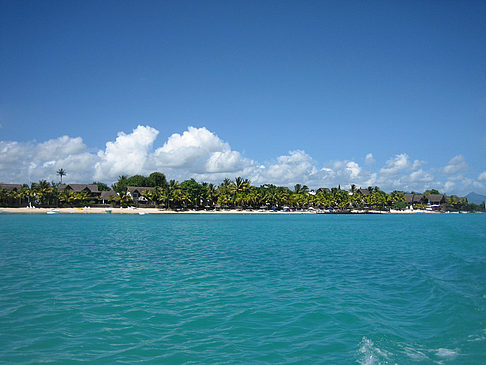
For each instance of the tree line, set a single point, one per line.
(231, 194)
(241, 194)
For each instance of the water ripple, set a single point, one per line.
(243, 289)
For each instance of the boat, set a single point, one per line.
(142, 213)
(52, 212)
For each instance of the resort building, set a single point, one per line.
(413, 199)
(106, 196)
(136, 192)
(91, 189)
(10, 187)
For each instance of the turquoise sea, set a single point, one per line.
(243, 289)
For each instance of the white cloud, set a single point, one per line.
(353, 169)
(296, 167)
(15, 160)
(369, 160)
(455, 165)
(62, 146)
(420, 176)
(395, 165)
(462, 183)
(449, 186)
(27, 162)
(199, 153)
(186, 149)
(345, 173)
(227, 161)
(417, 164)
(127, 155)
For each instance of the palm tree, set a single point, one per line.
(210, 194)
(169, 192)
(61, 172)
(301, 189)
(44, 192)
(150, 195)
(240, 185)
(65, 196)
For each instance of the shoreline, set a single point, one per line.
(144, 211)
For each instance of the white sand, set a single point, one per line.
(89, 210)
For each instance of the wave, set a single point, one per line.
(390, 352)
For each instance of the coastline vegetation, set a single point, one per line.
(155, 191)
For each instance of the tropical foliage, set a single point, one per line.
(61, 173)
(230, 194)
(241, 194)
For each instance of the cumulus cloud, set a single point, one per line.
(455, 165)
(62, 146)
(26, 162)
(346, 173)
(128, 154)
(201, 154)
(449, 186)
(420, 176)
(226, 162)
(296, 167)
(190, 147)
(463, 183)
(395, 165)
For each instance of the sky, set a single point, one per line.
(322, 93)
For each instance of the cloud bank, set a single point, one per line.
(201, 154)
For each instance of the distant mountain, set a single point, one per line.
(476, 198)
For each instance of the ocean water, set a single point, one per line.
(243, 289)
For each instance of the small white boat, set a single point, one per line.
(52, 212)
(142, 213)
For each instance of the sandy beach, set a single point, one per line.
(142, 211)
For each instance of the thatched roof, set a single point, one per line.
(418, 198)
(364, 191)
(106, 195)
(414, 198)
(409, 198)
(435, 198)
(77, 188)
(138, 189)
(10, 187)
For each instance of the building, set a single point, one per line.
(106, 196)
(91, 189)
(136, 192)
(11, 187)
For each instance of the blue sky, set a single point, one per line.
(274, 90)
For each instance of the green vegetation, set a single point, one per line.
(101, 186)
(155, 179)
(230, 194)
